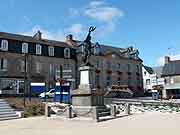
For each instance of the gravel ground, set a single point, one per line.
(138, 124)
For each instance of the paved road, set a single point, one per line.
(140, 124)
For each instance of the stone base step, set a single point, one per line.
(6, 110)
(9, 118)
(8, 115)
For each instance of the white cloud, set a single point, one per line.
(101, 12)
(75, 29)
(160, 61)
(46, 34)
(96, 3)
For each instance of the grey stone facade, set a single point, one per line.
(113, 66)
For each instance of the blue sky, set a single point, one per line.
(152, 26)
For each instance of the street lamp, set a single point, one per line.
(25, 77)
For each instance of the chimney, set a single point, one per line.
(167, 59)
(38, 35)
(69, 37)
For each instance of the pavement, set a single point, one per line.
(138, 124)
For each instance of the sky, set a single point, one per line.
(151, 26)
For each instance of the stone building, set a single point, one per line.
(46, 61)
(147, 73)
(171, 74)
(114, 66)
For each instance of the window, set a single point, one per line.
(171, 80)
(4, 45)
(23, 66)
(3, 64)
(58, 72)
(97, 79)
(51, 51)
(119, 66)
(24, 47)
(38, 49)
(67, 65)
(50, 69)
(147, 81)
(137, 68)
(128, 67)
(108, 81)
(144, 72)
(66, 53)
(38, 67)
(96, 50)
(108, 65)
(97, 64)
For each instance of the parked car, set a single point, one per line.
(49, 94)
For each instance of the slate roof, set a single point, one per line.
(107, 49)
(171, 69)
(32, 40)
(149, 69)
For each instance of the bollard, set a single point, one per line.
(47, 110)
(69, 111)
(95, 114)
(113, 111)
(127, 108)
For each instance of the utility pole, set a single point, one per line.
(25, 77)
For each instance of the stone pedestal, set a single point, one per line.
(86, 96)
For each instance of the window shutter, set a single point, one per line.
(4, 45)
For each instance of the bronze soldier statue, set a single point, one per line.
(88, 46)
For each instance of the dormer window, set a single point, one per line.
(38, 49)
(24, 47)
(96, 50)
(4, 45)
(66, 53)
(51, 51)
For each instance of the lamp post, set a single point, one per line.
(25, 77)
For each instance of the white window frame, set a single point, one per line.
(22, 66)
(51, 50)
(38, 67)
(4, 45)
(67, 53)
(24, 47)
(58, 73)
(3, 64)
(38, 49)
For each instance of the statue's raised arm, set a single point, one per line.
(88, 46)
(88, 38)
